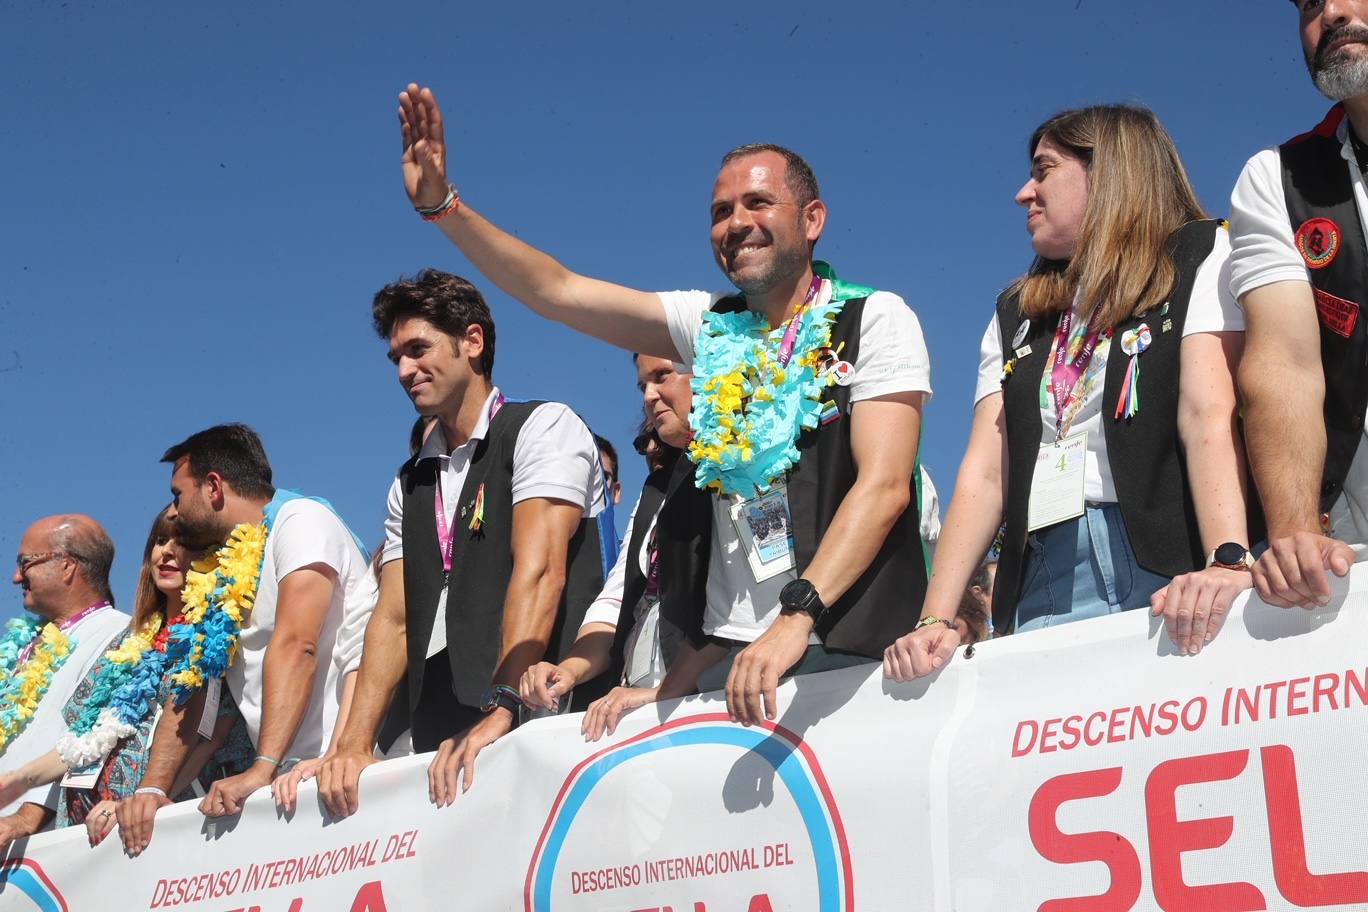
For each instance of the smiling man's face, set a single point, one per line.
(759, 233)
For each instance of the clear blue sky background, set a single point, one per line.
(198, 203)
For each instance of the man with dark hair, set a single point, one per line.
(491, 546)
(609, 458)
(786, 542)
(313, 571)
(1298, 225)
(63, 570)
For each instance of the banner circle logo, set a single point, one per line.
(794, 764)
(28, 877)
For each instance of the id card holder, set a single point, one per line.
(85, 777)
(765, 529)
(209, 717)
(1057, 485)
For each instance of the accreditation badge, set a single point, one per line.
(1057, 485)
(85, 777)
(765, 529)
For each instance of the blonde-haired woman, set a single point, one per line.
(1104, 438)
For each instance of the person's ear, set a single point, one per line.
(215, 490)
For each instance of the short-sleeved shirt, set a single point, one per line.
(554, 457)
(1211, 309)
(892, 359)
(305, 533)
(1264, 252)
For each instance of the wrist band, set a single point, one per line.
(931, 620)
(151, 790)
(262, 758)
(446, 207)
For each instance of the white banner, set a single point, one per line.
(1087, 767)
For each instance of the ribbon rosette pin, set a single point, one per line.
(1134, 341)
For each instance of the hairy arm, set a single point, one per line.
(292, 656)
(1283, 386)
(542, 529)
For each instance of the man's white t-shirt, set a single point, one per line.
(1211, 309)
(554, 457)
(892, 359)
(91, 635)
(1264, 252)
(305, 533)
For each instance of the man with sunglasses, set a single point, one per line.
(62, 570)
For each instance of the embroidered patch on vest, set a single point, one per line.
(1318, 241)
(1338, 315)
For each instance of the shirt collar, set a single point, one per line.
(436, 443)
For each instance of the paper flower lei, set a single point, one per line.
(22, 686)
(748, 410)
(120, 698)
(218, 592)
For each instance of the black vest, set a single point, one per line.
(1145, 452)
(1317, 184)
(634, 581)
(884, 603)
(481, 564)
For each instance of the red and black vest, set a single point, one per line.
(885, 601)
(1328, 233)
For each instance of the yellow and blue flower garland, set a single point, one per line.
(23, 686)
(748, 410)
(218, 592)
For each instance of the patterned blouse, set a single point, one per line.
(122, 771)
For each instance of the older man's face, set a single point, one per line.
(40, 570)
(1334, 37)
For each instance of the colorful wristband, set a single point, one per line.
(446, 207)
(262, 758)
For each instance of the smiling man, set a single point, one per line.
(491, 548)
(1297, 227)
(786, 542)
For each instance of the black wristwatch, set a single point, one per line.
(1231, 556)
(801, 596)
(501, 695)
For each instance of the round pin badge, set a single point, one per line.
(1022, 331)
(844, 373)
(1318, 242)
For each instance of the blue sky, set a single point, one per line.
(199, 202)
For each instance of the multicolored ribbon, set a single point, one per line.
(1133, 343)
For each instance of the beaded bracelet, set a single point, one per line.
(446, 207)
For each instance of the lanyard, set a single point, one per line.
(446, 536)
(63, 627)
(1066, 372)
(791, 334)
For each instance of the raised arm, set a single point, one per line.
(542, 529)
(1283, 385)
(384, 658)
(883, 440)
(634, 320)
(971, 522)
(287, 682)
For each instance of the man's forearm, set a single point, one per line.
(857, 532)
(681, 678)
(286, 687)
(32, 817)
(529, 616)
(1285, 432)
(523, 272)
(173, 741)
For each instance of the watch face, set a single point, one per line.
(1230, 553)
(796, 594)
